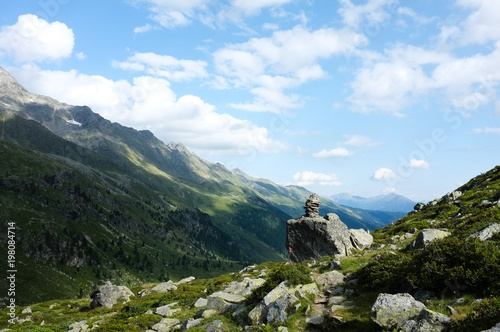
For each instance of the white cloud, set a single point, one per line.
(255, 6)
(173, 13)
(81, 56)
(384, 174)
(416, 163)
(265, 67)
(487, 130)
(142, 29)
(395, 80)
(307, 178)
(373, 12)
(360, 140)
(32, 39)
(149, 103)
(164, 66)
(337, 152)
(481, 25)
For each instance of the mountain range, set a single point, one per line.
(93, 200)
(389, 202)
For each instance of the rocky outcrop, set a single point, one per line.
(403, 312)
(360, 239)
(312, 238)
(426, 236)
(486, 233)
(108, 295)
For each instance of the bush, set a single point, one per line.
(484, 316)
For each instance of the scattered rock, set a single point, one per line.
(191, 322)
(166, 324)
(486, 233)
(215, 326)
(200, 303)
(427, 236)
(80, 326)
(329, 280)
(164, 287)
(428, 320)
(392, 311)
(166, 310)
(108, 295)
(419, 207)
(335, 300)
(185, 281)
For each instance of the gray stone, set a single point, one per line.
(419, 207)
(428, 321)
(208, 313)
(312, 206)
(80, 326)
(164, 287)
(487, 233)
(329, 280)
(360, 239)
(495, 328)
(200, 303)
(166, 310)
(335, 300)
(166, 324)
(453, 196)
(392, 311)
(215, 326)
(191, 322)
(426, 236)
(312, 238)
(108, 295)
(185, 280)
(277, 310)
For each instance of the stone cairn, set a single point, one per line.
(312, 206)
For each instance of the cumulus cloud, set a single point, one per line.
(32, 39)
(481, 26)
(337, 152)
(172, 13)
(150, 103)
(264, 65)
(307, 178)
(392, 81)
(371, 13)
(165, 66)
(416, 163)
(384, 174)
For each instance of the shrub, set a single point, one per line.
(484, 315)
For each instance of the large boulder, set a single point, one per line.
(428, 321)
(393, 311)
(310, 238)
(426, 236)
(360, 239)
(108, 295)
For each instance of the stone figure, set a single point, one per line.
(312, 206)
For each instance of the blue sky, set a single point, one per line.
(365, 97)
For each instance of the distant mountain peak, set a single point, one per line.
(386, 202)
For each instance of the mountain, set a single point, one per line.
(93, 200)
(390, 202)
(453, 284)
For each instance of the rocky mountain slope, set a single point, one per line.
(93, 200)
(438, 269)
(390, 202)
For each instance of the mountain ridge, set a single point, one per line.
(388, 202)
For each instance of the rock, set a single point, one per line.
(392, 311)
(167, 310)
(427, 236)
(452, 310)
(200, 303)
(108, 295)
(166, 324)
(215, 326)
(453, 196)
(418, 207)
(80, 326)
(428, 321)
(312, 238)
(191, 322)
(312, 206)
(486, 233)
(495, 328)
(224, 302)
(335, 300)
(208, 313)
(185, 281)
(26, 310)
(282, 329)
(277, 310)
(164, 287)
(329, 280)
(360, 239)
(244, 287)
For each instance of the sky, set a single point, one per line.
(364, 97)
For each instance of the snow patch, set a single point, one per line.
(73, 122)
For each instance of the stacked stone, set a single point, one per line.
(312, 206)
